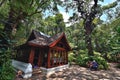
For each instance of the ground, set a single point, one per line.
(75, 72)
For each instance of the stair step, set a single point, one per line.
(36, 71)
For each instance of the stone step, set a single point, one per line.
(36, 71)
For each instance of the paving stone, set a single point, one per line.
(104, 79)
(117, 78)
(80, 73)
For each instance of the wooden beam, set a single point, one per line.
(58, 48)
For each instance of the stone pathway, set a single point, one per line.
(76, 72)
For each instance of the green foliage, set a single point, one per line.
(97, 54)
(82, 51)
(54, 24)
(101, 61)
(82, 59)
(109, 6)
(7, 72)
(71, 57)
(114, 57)
(118, 29)
(6, 69)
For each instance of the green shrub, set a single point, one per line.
(101, 61)
(114, 57)
(6, 48)
(71, 57)
(82, 51)
(6, 69)
(100, 67)
(7, 72)
(82, 60)
(97, 54)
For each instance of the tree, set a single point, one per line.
(60, 27)
(87, 12)
(14, 14)
(55, 24)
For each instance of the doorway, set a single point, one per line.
(36, 56)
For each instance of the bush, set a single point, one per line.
(7, 72)
(71, 57)
(6, 69)
(101, 61)
(6, 48)
(97, 53)
(100, 67)
(82, 60)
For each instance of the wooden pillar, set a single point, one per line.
(48, 56)
(31, 56)
(67, 57)
(59, 57)
(52, 63)
(63, 58)
(55, 59)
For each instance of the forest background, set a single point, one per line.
(89, 36)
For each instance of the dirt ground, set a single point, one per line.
(75, 72)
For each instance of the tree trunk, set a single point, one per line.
(11, 24)
(8, 25)
(88, 30)
(97, 45)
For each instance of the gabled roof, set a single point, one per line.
(41, 39)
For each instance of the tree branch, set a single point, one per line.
(2, 2)
(34, 13)
(40, 5)
(31, 3)
(95, 1)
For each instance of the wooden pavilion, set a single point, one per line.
(44, 51)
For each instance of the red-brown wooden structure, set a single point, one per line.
(44, 51)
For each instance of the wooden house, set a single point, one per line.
(44, 51)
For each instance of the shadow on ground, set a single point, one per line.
(76, 72)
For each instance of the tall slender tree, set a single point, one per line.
(87, 11)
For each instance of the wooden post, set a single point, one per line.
(31, 56)
(62, 58)
(48, 61)
(59, 57)
(67, 57)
